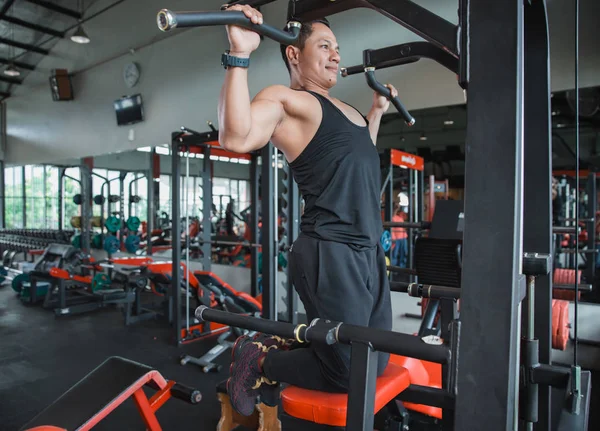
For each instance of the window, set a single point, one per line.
(13, 181)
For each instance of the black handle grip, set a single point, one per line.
(168, 20)
(384, 91)
(185, 393)
(352, 70)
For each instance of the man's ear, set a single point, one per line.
(292, 53)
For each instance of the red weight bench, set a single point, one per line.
(330, 409)
(95, 396)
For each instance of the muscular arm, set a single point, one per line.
(246, 125)
(374, 117)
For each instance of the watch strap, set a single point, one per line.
(232, 61)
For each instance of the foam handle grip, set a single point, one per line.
(168, 20)
(185, 393)
(384, 91)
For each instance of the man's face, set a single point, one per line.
(320, 58)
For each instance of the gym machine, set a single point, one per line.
(514, 174)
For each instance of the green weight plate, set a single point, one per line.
(76, 241)
(100, 281)
(77, 200)
(97, 241)
(132, 243)
(17, 283)
(111, 244)
(133, 223)
(3, 274)
(386, 240)
(113, 224)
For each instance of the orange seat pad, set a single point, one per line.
(421, 373)
(330, 409)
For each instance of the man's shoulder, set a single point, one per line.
(276, 91)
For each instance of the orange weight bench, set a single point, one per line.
(99, 393)
(331, 409)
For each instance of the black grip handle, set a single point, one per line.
(352, 70)
(185, 393)
(168, 20)
(384, 91)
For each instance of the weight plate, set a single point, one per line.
(97, 241)
(99, 199)
(100, 281)
(76, 241)
(113, 224)
(111, 244)
(3, 274)
(17, 283)
(132, 243)
(133, 223)
(386, 240)
(77, 200)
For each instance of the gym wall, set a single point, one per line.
(181, 75)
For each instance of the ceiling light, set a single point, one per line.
(80, 36)
(12, 71)
(448, 122)
(423, 137)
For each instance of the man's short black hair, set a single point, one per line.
(305, 31)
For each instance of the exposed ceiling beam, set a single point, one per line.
(4, 94)
(56, 8)
(10, 80)
(18, 64)
(25, 46)
(32, 26)
(6, 6)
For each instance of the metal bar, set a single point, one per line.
(434, 397)
(537, 209)
(409, 53)
(25, 46)
(14, 81)
(408, 14)
(86, 193)
(253, 225)
(61, 204)
(207, 199)
(565, 229)
(324, 331)
(269, 218)
(253, 3)
(56, 8)
(33, 26)
(493, 179)
(361, 390)
(408, 225)
(23, 197)
(242, 243)
(425, 290)
(582, 287)
(412, 198)
(150, 208)
(5, 7)
(175, 295)
(2, 184)
(293, 232)
(18, 64)
(400, 270)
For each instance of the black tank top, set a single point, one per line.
(339, 176)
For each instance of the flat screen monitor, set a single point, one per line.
(129, 110)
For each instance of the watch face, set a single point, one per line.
(131, 74)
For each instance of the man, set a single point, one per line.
(337, 265)
(400, 240)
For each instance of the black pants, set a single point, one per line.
(341, 283)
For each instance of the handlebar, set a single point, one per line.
(168, 20)
(384, 91)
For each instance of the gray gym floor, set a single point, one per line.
(42, 356)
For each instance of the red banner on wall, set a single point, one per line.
(407, 160)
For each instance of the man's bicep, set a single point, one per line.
(266, 116)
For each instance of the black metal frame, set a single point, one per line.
(182, 141)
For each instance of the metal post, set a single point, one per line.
(537, 208)
(61, 204)
(269, 221)
(151, 209)
(420, 191)
(175, 295)
(361, 391)
(412, 202)
(86, 193)
(488, 372)
(23, 197)
(207, 200)
(590, 268)
(2, 195)
(253, 225)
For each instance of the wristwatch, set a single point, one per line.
(232, 61)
